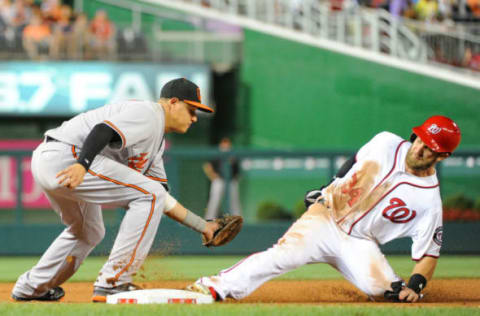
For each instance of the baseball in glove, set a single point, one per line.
(230, 226)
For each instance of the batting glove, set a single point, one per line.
(312, 196)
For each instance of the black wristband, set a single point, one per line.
(417, 282)
(85, 163)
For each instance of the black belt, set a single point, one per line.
(50, 139)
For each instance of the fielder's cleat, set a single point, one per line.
(52, 295)
(203, 289)
(100, 293)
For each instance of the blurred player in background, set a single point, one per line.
(388, 190)
(110, 156)
(213, 170)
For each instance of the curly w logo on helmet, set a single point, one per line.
(434, 129)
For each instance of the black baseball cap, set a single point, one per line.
(186, 91)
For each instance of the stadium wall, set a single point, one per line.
(172, 238)
(305, 97)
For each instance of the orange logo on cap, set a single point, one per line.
(198, 95)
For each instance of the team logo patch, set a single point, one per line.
(137, 162)
(434, 129)
(438, 235)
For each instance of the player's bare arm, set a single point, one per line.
(424, 268)
(182, 215)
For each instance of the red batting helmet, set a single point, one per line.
(439, 133)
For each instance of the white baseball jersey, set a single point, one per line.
(375, 202)
(384, 203)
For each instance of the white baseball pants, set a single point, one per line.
(314, 238)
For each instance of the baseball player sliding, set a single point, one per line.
(111, 156)
(388, 190)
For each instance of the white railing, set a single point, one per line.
(198, 46)
(373, 30)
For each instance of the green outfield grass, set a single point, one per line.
(192, 267)
(224, 309)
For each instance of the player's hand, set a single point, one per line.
(72, 176)
(210, 229)
(408, 295)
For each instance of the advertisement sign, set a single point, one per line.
(32, 194)
(68, 88)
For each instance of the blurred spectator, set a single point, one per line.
(79, 37)
(380, 4)
(397, 7)
(445, 9)
(471, 60)
(101, 37)
(336, 5)
(20, 15)
(402, 8)
(5, 6)
(474, 7)
(52, 10)
(426, 10)
(6, 12)
(37, 38)
(62, 34)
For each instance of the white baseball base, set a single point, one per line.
(159, 296)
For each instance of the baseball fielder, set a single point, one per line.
(217, 187)
(389, 190)
(110, 156)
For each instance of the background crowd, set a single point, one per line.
(50, 29)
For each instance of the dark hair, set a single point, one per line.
(413, 137)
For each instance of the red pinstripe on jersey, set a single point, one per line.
(426, 255)
(396, 186)
(383, 196)
(384, 178)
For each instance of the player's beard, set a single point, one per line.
(419, 164)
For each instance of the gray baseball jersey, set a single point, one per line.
(140, 125)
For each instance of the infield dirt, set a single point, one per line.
(449, 292)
